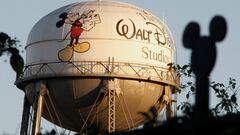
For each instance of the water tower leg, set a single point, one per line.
(111, 106)
(38, 108)
(169, 111)
(25, 116)
(39, 114)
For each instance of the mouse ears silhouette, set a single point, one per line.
(217, 30)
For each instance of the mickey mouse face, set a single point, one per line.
(68, 18)
(77, 23)
(71, 18)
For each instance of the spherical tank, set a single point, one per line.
(101, 62)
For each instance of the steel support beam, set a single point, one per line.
(38, 107)
(25, 116)
(111, 106)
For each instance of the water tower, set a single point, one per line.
(98, 63)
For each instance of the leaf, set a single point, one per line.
(178, 67)
(223, 106)
(192, 88)
(222, 91)
(4, 38)
(187, 95)
(170, 64)
(189, 71)
(222, 85)
(178, 107)
(216, 90)
(234, 98)
(16, 61)
(214, 86)
(189, 83)
(179, 91)
(185, 67)
(183, 86)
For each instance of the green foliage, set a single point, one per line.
(10, 46)
(226, 94)
(186, 108)
(185, 70)
(228, 97)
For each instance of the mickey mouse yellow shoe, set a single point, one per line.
(66, 54)
(81, 47)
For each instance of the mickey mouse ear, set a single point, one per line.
(63, 17)
(218, 28)
(59, 23)
(191, 34)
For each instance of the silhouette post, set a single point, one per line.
(203, 59)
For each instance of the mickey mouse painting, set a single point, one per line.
(76, 31)
(79, 23)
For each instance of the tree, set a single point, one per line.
(226, 94)
(10, 46)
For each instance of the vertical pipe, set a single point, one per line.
(109, 62)
(39, 114)
(38, 106)
(175, 104)
(168, 93)
(35, 108)
(112, 69)
(25, 116)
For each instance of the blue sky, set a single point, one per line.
(18, 17)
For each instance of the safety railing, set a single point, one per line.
(100, 69)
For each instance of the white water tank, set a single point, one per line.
(84, 49)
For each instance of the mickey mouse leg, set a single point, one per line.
(76, 41)
(71, 42)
